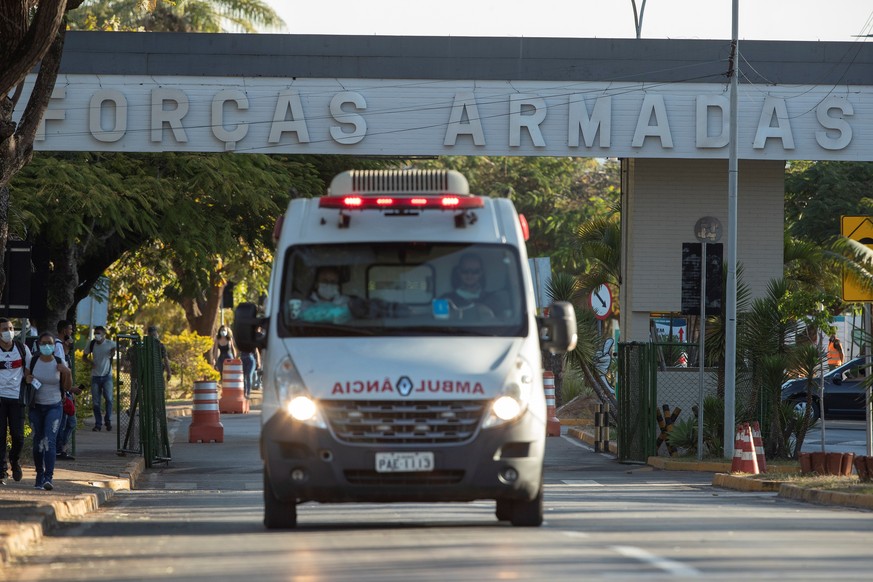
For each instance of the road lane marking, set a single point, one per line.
(576, 534)
(673, 567)
(581, 482)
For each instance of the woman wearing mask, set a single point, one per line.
(50, 377)
(223, 348)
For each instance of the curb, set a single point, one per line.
(17, 536)
(727, 481)
(588, 439)
(826, 497)
(667, 464)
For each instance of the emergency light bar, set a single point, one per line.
(441, 202)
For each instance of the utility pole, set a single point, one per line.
(730, 349)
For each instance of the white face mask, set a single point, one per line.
(223, 333)
(98, 337)
(328, 290)
(6, 335)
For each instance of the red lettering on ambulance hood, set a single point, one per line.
(426, 386)
(396, 368)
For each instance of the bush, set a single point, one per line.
(683, 435)
(187, 361)
(573, 385)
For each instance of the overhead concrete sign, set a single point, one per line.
(438, 117)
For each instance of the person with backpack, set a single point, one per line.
(100, 353)
(14, 360)
(50, 378)
(64, 350)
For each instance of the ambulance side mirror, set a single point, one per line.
(249, 329)
(557, 330)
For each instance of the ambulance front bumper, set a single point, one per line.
(305, 463)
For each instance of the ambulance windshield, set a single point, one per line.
(388, 289)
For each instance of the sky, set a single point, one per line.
(827, 20)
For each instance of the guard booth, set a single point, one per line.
(140, 399)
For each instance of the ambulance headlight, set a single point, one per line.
(293, 395)
(515, 396)
(301, 408)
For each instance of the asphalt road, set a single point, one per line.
(200, 519)
(841, 436)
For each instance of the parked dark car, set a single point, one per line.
(844, 391)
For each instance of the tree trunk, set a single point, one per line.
(202, 313)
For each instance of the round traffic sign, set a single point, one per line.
(601, 301)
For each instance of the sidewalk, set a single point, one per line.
(80, 487)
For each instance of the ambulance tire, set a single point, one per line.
(528, 513)
(503, 510)
(277, 514)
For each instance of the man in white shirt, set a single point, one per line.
(14, 360)
(100, 352)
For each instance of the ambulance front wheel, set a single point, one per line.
(504, 509)
(277, 514)
(527, 513)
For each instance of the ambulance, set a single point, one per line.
(401, 350)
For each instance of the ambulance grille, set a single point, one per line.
(403, 422)
(369, 182)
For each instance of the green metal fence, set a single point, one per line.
(636, 402)
(140, 399)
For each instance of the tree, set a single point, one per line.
(31, 34)
(817, 194)
(78, 248)
(176, 15)
(555, 195)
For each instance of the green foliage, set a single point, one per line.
(574, 385)
(175, 15)
(817, 194)
(684, 432)
(186, 352)
(598, 244)
(556, 195)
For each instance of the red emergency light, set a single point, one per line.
(440, 202)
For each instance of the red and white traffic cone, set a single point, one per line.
(737, 461)
(205, 424)
(233, 397)
(553, 425)
(748, 461)
(759, 447)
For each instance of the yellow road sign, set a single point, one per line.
(857, 228)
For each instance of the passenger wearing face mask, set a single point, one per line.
(101, 353)
(223, 348)
(327, 287)
(326, 303)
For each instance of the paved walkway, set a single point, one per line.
(80, 487)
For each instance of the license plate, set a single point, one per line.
(403, 462)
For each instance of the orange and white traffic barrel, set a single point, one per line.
(233, 396)
(205, 424)
(553, 425)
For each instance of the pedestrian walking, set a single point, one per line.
(50, 378)
(251, 361)
(14, 360)
(223, 348)
(101, 353)
(64, 349)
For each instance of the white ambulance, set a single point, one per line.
(402, 350)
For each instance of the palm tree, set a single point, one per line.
(176, 15)
(598, 243)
